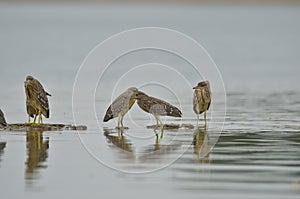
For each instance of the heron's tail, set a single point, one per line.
(46, 112)
(176, 112)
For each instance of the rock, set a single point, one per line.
(174, 126)
(42, 127)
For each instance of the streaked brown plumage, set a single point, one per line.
(2, 119)
(121, 105)
(36, 99)
(202, 99)
(157, 107)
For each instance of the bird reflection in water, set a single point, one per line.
(151, 152)
(118, 139)
(2, 147)
(201, 145)
(37, 153)
(161, 133)
(156, 152)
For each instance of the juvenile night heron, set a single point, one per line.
(2, 119)
(36, 99)
(121, 106)
(157, 107)
(202, 99)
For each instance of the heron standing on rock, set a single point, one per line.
(202, 99)
(121, 105)
(157, 107)
(36, 99)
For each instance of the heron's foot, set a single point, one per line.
(30, 123)
(36, 124)
(121, 127)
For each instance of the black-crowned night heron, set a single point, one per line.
(36, 99)
(202, 99)
(121, 106)
(2, 119)
(157, 107)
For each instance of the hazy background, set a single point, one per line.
(256, 48)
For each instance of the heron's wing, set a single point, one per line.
(31, 111)
(41, 94)
(170, 109)
(120, 105)
(196, 102)
(207, 96)
(208, 105)
(158, 106)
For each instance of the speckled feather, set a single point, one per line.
(36, 98)
(202, 99)
(157, 106)
(121, 105)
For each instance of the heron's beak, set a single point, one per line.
(195, 87)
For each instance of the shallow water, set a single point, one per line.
(256, 156)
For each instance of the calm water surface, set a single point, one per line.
(256, 156)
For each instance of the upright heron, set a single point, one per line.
(121, 105)
(202, 99)
(36, 99)
(157, 107)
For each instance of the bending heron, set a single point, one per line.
(121, 105)
(157, 107)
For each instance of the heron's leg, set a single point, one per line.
(34, 119)
(122, 116)
(162, 133)
(28, 119)
(119, 119)
(161, 123)
(157, 124)
(120, 133)
(40, 118)
(198, 120)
